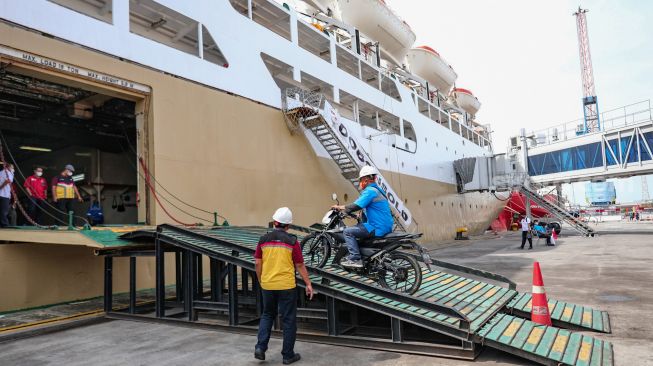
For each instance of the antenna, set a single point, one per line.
(590, 103)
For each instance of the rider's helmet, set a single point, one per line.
(283, 215)
(367, 170)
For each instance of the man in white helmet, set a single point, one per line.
(278, 254)
(379, 221)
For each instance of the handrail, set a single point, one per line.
(414, 301)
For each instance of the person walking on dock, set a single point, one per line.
(278, 254)
(526, 232)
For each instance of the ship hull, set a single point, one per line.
(213, 149)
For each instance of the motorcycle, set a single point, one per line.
(382, 260)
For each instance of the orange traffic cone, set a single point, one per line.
(540, 305)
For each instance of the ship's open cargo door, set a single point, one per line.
(50, 118)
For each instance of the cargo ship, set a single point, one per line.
(172, 111)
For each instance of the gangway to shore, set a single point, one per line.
(451, 315)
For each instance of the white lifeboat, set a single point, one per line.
(466, 100)
(428, 64)
(374, 19)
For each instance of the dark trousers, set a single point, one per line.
(34, 208)
(4, 211)
(65, 205)
(546, 236)
(524, 237)
(284, 303)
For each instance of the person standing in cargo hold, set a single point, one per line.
(37, 191)
(64, 191)
(277, 256)
(377, 212)
(6, 180)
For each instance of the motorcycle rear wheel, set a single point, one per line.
(407, 282)
(316, 250)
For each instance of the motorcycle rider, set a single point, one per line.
(376, 209)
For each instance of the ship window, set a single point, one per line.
(346, 61)
(281, 72)
(210, 50)
(389, 87)
(370, 75)
(98, 9)
(389, 122)
(423, 107)
(266, 13)
(346, 105)
(409, 131)
(314, 41)
(314, 84)
(161, 24)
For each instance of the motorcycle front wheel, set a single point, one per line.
(316, 250)
(402, 273)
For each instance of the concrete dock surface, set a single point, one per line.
(608, 272)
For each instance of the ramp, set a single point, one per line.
(564, 314)
(450, 315)
(543, 344)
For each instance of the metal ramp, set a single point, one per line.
(563, 314)
(449, 316)
(559, 212)
(543, 344)
(309, 111)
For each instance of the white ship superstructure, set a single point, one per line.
(256, 48)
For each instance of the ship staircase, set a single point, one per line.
(302, 110)
(558, 212)
(456, 312)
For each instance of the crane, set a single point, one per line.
(590, 103)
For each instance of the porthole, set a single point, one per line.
(441, 203)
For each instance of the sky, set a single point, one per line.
(520, 58)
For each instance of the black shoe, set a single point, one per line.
(529, 248)
(295, 358)
(259, 354)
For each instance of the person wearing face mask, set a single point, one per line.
(37, 192)
(64, 191)
(6, 180)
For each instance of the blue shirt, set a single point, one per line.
(540, 229)
(377, 210)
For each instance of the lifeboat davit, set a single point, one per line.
(427, 63)
(466, 100)
(374, 19)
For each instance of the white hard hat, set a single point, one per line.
(282, 215)
(367, 170)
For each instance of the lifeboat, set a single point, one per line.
(428, 64)
(374, 19)
(466, 100)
